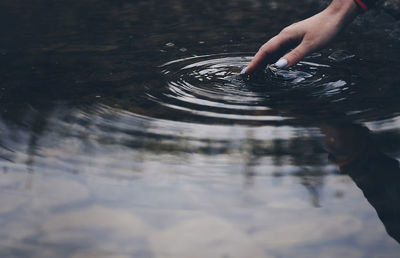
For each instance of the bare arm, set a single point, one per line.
(305, 36)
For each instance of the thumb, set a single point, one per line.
(293, 57)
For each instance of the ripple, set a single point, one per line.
(210, 89)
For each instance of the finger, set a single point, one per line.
(294, 56)
(266, 54)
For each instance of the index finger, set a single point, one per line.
(268, 53)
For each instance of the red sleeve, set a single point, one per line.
(365, 4)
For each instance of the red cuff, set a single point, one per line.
(362, 5)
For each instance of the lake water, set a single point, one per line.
(126, 131)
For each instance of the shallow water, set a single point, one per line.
(127, 131)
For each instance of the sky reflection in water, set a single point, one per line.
(132, 135)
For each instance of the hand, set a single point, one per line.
(305, 36)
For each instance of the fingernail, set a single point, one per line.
(281, 63)
(243, 70)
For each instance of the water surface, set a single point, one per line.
(127, 131)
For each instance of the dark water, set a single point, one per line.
(126, 131)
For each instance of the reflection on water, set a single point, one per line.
(127, 131)
(375, 173)
(210, 86)
(231, 191)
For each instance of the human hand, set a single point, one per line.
(305, 36)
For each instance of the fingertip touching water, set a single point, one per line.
(212, 88)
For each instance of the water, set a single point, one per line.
(127, 131)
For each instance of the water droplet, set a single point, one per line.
(340, 55)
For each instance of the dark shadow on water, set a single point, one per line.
(352, 148)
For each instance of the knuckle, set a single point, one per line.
(285, 31)
(274, 40)
(307, 43)
(289, 29)
(296, 55)
(263, 48)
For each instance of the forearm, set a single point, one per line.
(344, 10)
(306, 36)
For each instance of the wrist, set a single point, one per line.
(345, 10)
